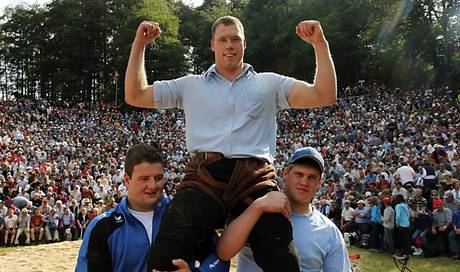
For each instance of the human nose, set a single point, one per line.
(303, 181)
(150, 183)
(228, 43)
(153, 183)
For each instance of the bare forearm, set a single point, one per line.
(135, 79)
(236, 234)
(325, 84)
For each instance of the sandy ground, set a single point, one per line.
(43, 258)
(47, 257)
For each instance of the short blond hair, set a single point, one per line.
(227, 20)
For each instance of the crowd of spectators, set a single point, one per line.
(62, 165)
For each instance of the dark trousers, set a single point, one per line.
(441, 238)
(363, 228)
(188, 224)
(403, 240)
(376, 241)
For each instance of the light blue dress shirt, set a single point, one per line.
(236, 118)
(319, 244)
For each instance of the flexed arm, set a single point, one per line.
(323, 92)
(137, 92)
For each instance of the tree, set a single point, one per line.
(21, 37)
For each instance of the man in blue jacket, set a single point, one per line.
(120, 239)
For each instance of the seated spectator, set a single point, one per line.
(59, 207)
(23, 226)
(36, 200)
(368, 200)
(362, 217)
(46, 207)
(346, 220)
(2, 229)
(355, 193)
(372, 188)
(422, 225)
(405, 174)
(87, 193)
(51, 227)
(454, 235)
(420, 176)
(325, 208)
(75, 193)
(37, 226)
(399, 190)
(447, 182)
(455, 191)
(410, 191)
(86, 203)
(433, 198)
(74, 207)
(456, 165)
(331, 186)
(82, 222)
(335, 213)
(383, 183)
(11, 221)
(3, 209)
(67, 225)
(430, 180)
(450, 202)
(371, 177)
(442, 224)
(50, 199)
(418, 201)
(95, 213)
(316, 204)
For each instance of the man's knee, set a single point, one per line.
(186, 229)
(272, 244)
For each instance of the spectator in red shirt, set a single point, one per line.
(383, 183)
(37, 226)
(87, 193)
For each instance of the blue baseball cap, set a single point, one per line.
(308, 153)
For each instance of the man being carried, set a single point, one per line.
(230, 116)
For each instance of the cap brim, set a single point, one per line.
(313, 158)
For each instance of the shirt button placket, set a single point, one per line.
(231, 116)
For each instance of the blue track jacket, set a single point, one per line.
(116, 240)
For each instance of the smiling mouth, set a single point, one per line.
(151, 194)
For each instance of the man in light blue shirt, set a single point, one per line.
(230, 114)
(319, 242)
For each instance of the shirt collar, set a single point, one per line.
(212, 71)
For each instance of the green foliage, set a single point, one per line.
(272, 44)
(69, 50)
(409, 47)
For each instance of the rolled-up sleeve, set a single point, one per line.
(283, 87)
(169, 93)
